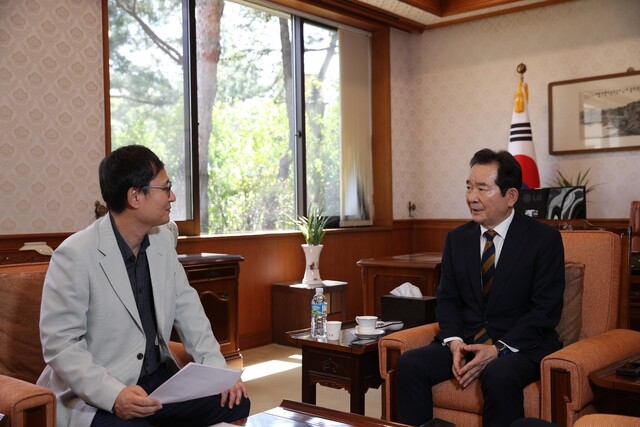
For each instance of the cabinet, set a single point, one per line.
(215, 277)
(381, 275)
(291, 306)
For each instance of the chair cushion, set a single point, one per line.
(449, 396)
(20, 349)
(571, 321)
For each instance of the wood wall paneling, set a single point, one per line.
(381, 127)
(277, 257)
(270, 258)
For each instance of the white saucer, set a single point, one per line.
(375, 334)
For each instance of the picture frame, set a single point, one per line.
(595, 114)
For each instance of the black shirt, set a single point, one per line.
(140, 279)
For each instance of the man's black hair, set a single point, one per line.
(130, 166)
(509, 170)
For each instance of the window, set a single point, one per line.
(147, 88)
(247, 104)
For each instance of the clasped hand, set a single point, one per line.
(467, 372)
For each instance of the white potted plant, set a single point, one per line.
(312, 227)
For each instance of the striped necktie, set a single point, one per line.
(487, 264)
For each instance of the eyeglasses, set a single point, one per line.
(166, 187)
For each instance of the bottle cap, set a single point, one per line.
(319, 290)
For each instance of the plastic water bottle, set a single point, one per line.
(319, 315)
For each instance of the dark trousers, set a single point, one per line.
(502, 383)
(205, 411)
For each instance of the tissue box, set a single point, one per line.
(411, 311)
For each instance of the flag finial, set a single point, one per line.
(522, 94)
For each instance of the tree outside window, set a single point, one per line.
(268, 108)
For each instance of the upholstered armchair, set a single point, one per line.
(607, 420)
(563, 394)
(21, 362)
(21, 401)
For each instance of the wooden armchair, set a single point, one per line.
(21, 362)
(563, 394)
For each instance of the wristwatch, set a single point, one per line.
(503, 350)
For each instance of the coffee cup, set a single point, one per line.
(366, 324)
(333, 330)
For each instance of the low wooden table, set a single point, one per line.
(302, 414)
(616, 394)
(338, 364)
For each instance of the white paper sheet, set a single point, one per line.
(194, 381)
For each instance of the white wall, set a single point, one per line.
(452, 94)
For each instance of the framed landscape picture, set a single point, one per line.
(595, 114)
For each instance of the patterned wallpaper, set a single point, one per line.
(51, 114)
(452, 94)
(452, 91)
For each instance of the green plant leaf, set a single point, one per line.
(581, 180)
(312, 226)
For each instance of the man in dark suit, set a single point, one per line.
(498, 335)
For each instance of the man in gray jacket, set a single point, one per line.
(112, 295)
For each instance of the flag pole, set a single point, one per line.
(521, 137)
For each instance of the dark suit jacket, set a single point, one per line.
(525, 302)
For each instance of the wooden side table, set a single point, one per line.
(291, 306)
(381, 275)
(337, 364)
(616, 394)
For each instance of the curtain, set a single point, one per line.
(356, 194)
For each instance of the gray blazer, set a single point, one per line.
(90, 329)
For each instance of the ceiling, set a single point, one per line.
(420, 15)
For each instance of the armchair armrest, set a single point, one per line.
(564, 379)
(390, 348)
(179, 353)
(599, 420)
(26, 404)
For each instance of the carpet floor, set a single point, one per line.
(273, 373)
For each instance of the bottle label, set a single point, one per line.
(318, 308)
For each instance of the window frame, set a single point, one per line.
(380, 107)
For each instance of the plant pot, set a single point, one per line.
(312, 264)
